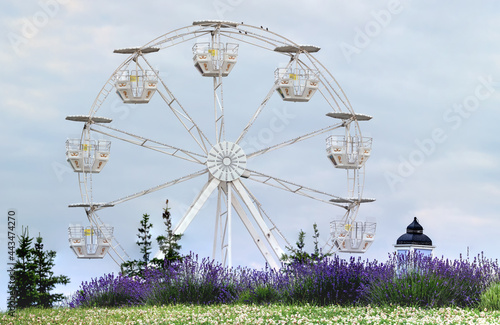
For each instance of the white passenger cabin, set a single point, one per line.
(348, 152)
(215, 59)
(355, 237)
(136, 86)
(89, 156)
(90, 242)
(296, 85)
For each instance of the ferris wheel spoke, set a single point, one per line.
(257, 112)
(259, 109)
(295, 140)
(150, 144)
(197, 204)
(114, 246)
(220, 131)
(182, 115)
(187, 122)
(152, 189)
(296, 189)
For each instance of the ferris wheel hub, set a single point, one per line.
(226, 161)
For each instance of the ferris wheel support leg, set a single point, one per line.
(196, 206)
(253, 232)
(217, 224)
(230, 227)
(258, 218)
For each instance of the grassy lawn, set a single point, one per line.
(248, 314)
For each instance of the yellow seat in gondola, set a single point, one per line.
(348, 152)
(296, 85)
(212, 60)
(354, 237)
(90, 242)
(87, 156)
(136, 86)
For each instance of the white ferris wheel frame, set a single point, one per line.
(232, 195)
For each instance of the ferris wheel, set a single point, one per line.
(222, 160)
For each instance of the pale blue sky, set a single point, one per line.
(427, 72)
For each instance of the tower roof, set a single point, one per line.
(414, 235)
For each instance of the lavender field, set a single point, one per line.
(408, 280)
(408, 289)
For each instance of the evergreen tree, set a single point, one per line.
(298, 255)
(316, 253)
(45, 279)
(168, 244)
(135, 267)
(144, 236)
(22, 286)
(32, 278)
(131, 268)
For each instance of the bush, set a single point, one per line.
(422, 281)
(330, 281)
(260, 295)
(110, 291)
(189, 281)
(490, 298)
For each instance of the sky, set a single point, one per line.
(427, 72)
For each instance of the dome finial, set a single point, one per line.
(414, 235)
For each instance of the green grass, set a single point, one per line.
(250, 314)
(490, 298)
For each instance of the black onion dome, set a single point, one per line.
(414, 235)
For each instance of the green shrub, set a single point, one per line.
(420, 281)
(262, 294)
(490, 298)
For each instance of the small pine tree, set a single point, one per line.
(168, 244)
(298, 255)
(22, 286)
(45, 279)
(32, 278)
(317, 252)
(134, 268)
(144, 236)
